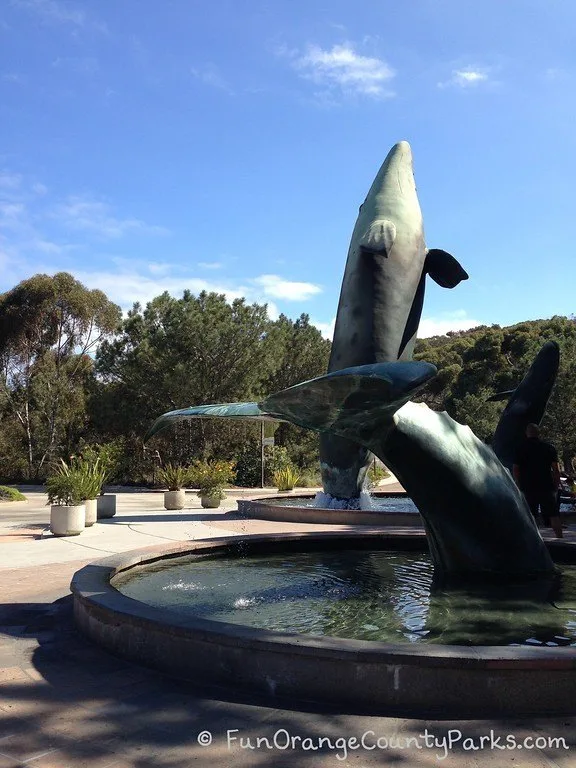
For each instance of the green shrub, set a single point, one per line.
(210, 477)
(286, 478)
(174, 476)
(11, 494)
(310, 479)
(66, 488)
(248, 467)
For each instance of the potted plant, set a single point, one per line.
(66, 491)
(286, 478)
(93, 475)
(107, 456)
(211, 477)
(174, 476)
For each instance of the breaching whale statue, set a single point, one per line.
(381, 298)
(477, 521)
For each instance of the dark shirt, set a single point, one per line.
(534, 460)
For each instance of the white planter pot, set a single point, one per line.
(67, 521)
(210, 502)
(175, 499)
(91, 511)
(106, 506)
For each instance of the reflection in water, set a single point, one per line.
(361, 594)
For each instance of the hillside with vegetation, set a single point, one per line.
(75, 373)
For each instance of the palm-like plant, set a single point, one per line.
(173, 476)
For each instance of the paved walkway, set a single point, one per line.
(64, 703)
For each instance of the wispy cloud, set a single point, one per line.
(86, 65)
(94, 216)
(326, 329)
(13, 77)
(210, 264)
(58, 12)
(341, 70)
(10, 180)
(466, 78)
(278, 288)
(448, 321)
(209, 75)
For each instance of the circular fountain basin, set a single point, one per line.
(351, 674)
(389, 509)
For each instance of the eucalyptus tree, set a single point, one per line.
(50, 327)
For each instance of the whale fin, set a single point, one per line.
(444, 269)
(355, 403)
(242, 411)
(379, 237)
(527, 403)
(411, 329)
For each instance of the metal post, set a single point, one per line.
(262, 454)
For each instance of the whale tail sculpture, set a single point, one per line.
(476, 519)
(381, 298)
(527, 403)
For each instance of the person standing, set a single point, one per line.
(537, 474)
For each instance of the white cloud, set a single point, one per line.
(157, 268)
(96, 217)
(12, 77)
(209, 75)
(343, 70)
(127, 287)
(11, 213)
(10, 180)
(210, 264)
(278, 288)
(39, 189)
(326, 329)
(466, 78)
(448, 321)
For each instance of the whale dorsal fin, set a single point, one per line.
(379, 237)
(444, 269)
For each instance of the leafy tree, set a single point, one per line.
(178, 352)
(48, 328)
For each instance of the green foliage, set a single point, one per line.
(210, 477)
(310, 478)
(11, 494)
(286, 478)
(93, 475)
(248, 464)
(67, 485)
(48, 326)
(475, 364)
(375, 474)
(173, 476)
(275, 460)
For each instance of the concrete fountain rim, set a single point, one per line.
(92, 586)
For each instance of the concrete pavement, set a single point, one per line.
(64, 703)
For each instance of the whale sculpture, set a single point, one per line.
(527, 403)
(477, 521)
(381, 298)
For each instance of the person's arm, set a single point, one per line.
(516, 474)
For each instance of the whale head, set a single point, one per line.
(394, 183)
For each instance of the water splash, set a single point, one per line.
(326, 501)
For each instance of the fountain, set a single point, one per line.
(483, 624)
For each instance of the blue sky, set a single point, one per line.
(152, 145)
